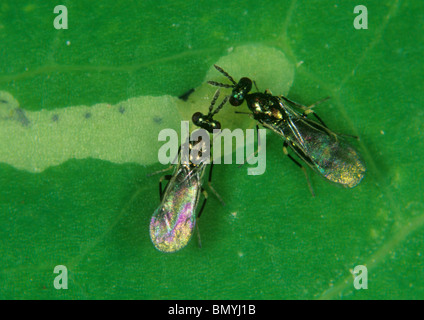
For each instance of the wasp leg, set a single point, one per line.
(241, 112)
(166, 177)
(257, 150)
(254, 83)
(318, 102)
(159, 171)
(307, 110)
(199, 241)
(212, 188)
(302, 106)
(300, 166)
(205, 194)
(349, 136)
(169, 168)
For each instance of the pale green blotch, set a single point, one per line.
(128, 131)
(125, 132)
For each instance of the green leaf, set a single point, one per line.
(272, 239)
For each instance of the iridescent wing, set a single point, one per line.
(324, 151)
(173, 222)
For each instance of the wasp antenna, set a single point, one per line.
(319, 102)
(254, 82)
(222, 85)
(225, 74)
(221, 105)
(215, 97)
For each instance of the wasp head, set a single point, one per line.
(240, 91)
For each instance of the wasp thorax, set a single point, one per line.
(198, 150)
(257, 104)
(276, 113)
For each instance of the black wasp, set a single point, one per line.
(173, 222)
(323, 150)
